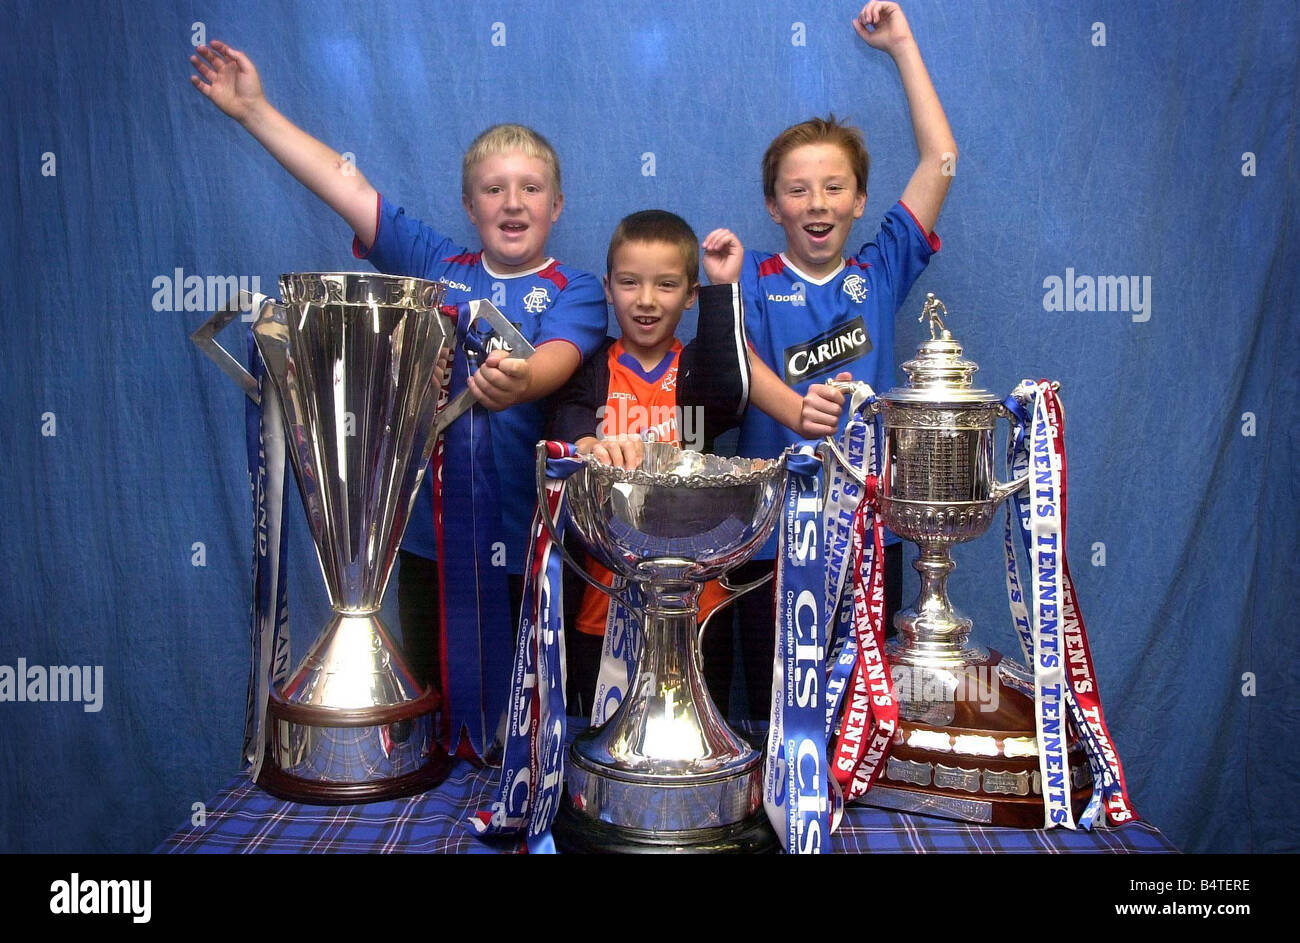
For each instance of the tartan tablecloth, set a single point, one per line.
(244, 818)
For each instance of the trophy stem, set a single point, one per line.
(665, 772)
(933, 632)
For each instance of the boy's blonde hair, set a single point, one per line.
(828, 130)
(503, 139)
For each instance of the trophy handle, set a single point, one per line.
(852, 389)
(1000, 491)
(558, 543)
(205, 339)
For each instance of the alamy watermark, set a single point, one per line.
(920, 686)
(660, 423)
(1129, 293)
(83, 896)
(181, 292)
(82, 684)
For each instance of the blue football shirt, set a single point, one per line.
(808, 329)
(552, 303)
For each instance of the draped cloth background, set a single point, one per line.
(1168, 153)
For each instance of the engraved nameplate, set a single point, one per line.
(946, 777)
(906, 771)
(1009, 784)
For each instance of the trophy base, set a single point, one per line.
(576, 833)
(329, 756)
(966, 747)
(618, 810)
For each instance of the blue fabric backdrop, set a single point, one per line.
(1167, 152)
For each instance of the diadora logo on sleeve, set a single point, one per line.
(855, 286)
(537, 300)
(797, 296)
(826, 352)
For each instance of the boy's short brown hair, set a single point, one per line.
(502, 139)
(828, 130)
(657, 226)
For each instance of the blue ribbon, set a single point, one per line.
(797, 787)
(476, 597)
(269, 615)
(528, 793)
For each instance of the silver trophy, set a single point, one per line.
(358, 361)
(665, 772)
(966, 746)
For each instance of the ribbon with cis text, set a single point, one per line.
(618, 655)
(868, 718)
(532, 772)
(1053, 636)
(269, 618)
(475, 611)
(796, 789)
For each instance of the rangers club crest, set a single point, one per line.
(855, 286)
(537, 300)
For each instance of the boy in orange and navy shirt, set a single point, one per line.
(646, 383)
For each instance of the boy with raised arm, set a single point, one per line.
(813, 315)
(510, 188)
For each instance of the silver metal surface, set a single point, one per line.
(939, 487)
(205, 338)
(359, 362)
(648, 804)
(353, 754)
(666, 762)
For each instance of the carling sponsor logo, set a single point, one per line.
(822, 354)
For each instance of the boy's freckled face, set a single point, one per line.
(513, 203)
(817, 199)
(649, 288)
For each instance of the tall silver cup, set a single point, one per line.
(358, 361)
(665, 772)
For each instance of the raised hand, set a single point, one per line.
(229, 79)
(820, 413)
(501, 381)
(723, 257)
(882, 25)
